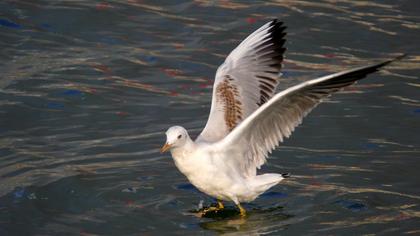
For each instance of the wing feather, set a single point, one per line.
(262, 131)
(247, 79)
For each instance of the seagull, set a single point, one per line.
(247, 120)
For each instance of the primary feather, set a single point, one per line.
(264, 129)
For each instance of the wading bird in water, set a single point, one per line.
(248, 120)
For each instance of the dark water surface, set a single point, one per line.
(87, 89)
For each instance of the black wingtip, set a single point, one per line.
(400, 57)
(278, 35)
(286, 175)
(392, 60)
(278, 23)
(349, 77)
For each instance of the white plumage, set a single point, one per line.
(247, 122)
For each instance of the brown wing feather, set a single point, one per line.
(228, 95)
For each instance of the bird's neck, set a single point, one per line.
(183, 151)
(183, 157)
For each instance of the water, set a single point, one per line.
(88, 88)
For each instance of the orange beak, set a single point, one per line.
(165, 148)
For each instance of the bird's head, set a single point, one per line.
(176, 136)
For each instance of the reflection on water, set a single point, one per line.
(258, 221)
(87, 89)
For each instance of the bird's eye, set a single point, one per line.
(179, 136)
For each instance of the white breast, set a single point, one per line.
(204, 172)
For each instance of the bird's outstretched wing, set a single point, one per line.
(261, 132)
(246, 80)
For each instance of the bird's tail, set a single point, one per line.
(262, 183)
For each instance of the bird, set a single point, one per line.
(248, 119)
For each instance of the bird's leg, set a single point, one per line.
(207, 210)
(210, 209)
(241, 210)
(220, 205)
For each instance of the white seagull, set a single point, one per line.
(247, 120)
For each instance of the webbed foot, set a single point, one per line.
(208, 210)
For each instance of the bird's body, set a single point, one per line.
(248, 120)
(207, 169)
